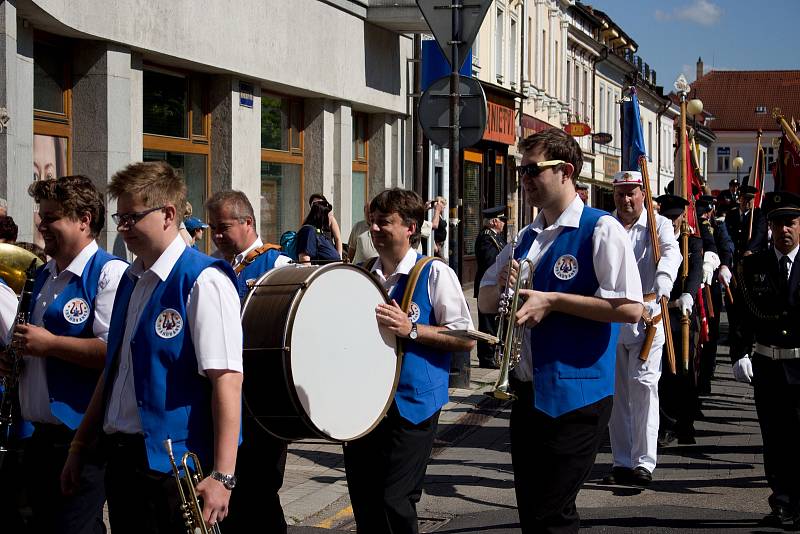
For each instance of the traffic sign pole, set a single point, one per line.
(455, 145)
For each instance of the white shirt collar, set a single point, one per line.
(243, 254)
(78, 263)
(404, 267)
(164, 264)
(569, 217)
(641, 221)
(792, 255)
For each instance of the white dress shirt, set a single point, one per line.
(8, 312)
(280, 261)
(614, 263)
(449, 306)
(212, 316)
(792, 255)
(34, 394)
(670, 262)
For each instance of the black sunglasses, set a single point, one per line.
(534, 169)
(129, 220)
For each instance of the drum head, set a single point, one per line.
(343, 366)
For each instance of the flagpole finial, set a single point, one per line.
(682, 85)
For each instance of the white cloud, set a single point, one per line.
(703, 12)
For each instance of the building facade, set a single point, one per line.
(236, 95)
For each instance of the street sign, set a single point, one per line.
(602, 138)
(578, 129)
(434, 111)
(438, 14)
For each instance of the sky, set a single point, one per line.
(727, 34)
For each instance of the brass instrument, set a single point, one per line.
(191, 510)
(18, 269)
(509, 348)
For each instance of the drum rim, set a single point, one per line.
(287, 331)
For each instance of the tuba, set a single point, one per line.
(191, 510)
(18, 269)
(509, 347)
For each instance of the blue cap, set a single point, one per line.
(193, 223)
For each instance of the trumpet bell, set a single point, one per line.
(14, 262)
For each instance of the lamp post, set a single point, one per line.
(737, 164)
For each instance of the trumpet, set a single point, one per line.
(509, 348)
(191, 510)
(11, 382)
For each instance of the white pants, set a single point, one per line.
(634, 418)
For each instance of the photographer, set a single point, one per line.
(438, 223)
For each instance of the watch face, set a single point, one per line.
(413, 334)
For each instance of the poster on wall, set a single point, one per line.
(49, 161)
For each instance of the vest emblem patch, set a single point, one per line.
(566, 267)
(76, 311)
(413, 312)
(169, 323)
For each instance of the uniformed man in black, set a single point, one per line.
(488, 244)
(730, 197)
(737, 219)
(678, 392)
(720, 279)
(765, 350)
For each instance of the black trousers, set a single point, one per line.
(45, 453)
(486, 323)
(778, 407)
(139, 499)
(12, 493)
(678, 393)
(708, 358)
(260, 465)
(552, 458)
(385, 473)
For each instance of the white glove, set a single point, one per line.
(725, 276)
(685, 303)
(743, 370)
(663, 285)
(710, 264)
(653, 308)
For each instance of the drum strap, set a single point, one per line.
(413, 278)
(253, 254)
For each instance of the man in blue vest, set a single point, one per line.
(64, 348)
(174, 364)
(261, 461)
(585, 279)
(386, 468)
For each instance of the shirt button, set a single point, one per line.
(784, 332)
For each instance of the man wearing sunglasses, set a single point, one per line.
(64, 347)
(174, 365)
(585, 279)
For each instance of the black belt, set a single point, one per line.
(120, 440)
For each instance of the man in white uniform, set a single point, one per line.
(634, 418)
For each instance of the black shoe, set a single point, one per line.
(487, 364)
(780, 517)
(619, 475)
(686, 439)
(666, 438)
(641, 477)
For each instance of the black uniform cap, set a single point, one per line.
(498, 212)
(733, 182)
(781, 204)
(671, 206)
(703, 205)
(748, 191)
(581, 186)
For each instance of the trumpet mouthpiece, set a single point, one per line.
(168, 446)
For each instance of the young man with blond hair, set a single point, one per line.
(174, 364)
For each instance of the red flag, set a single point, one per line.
(758, 177)
(693, 189)
(787, 167)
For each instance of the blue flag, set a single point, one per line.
(632, 136)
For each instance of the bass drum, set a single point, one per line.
(316, 364)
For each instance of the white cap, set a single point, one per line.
(628, 178)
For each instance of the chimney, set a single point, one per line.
(699, 68)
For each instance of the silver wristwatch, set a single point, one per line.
(229, 481)
(414, 333)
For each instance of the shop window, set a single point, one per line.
(473, 219)
(176, 126)
(282, 195)
(360, 179)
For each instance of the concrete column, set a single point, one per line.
(319, 149)
(102, 118)
(16, 95)
(382, 160)
(343, 169)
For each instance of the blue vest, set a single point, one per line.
(425, 372)
(174, 400)
(71, 314)
(573, 358)
(263, 263)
